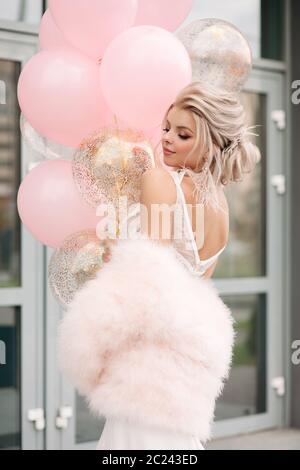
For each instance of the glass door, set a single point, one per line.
(249, 275)
(21, 271)
(78, 429)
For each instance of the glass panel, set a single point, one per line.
(27, 11)
(272, 29)
(245, 392)
(245, 255)
(10, 247)
(88, 428)
(10, 395)
(261, 21)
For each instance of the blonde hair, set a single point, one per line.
(221, 131)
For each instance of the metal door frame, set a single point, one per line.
(271, 84)
(29, 297)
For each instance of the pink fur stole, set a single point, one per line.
(147, 341)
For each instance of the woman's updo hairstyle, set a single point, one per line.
(221, 131)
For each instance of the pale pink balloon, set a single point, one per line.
(91, 25)
(154, 136)
(50, 36)
(50, 205)
(141, 73)
(60, 95)
(168, 14)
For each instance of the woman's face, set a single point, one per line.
(179, 136)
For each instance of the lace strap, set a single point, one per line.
(178, 180)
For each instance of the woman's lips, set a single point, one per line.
(168, 152)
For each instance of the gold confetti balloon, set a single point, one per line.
(219, 52)
(109, 165)
(76, 261)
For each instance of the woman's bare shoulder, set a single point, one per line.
(159, 182)
(156, 173)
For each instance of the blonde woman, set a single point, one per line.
(205, 147)
(149, 341)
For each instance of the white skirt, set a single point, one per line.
(122, 434)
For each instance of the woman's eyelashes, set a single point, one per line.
(183, 137)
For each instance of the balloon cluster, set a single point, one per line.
(92, 101)
(100, 58)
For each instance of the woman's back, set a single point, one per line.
(210, 228)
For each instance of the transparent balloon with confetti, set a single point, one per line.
(219, 52)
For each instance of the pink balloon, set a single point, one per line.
(50, 205)
(91, 25)
(142, 71)
(60, 95)
(168, 14)
(50, 36)
(154, 136)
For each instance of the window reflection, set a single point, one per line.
(245, 391)
(245, 255)
(88, 428)
(10, 421)
(9, 176)
(27, 11)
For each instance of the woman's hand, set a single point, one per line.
(108, 243)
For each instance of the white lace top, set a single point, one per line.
(184, 241)
(186, 246)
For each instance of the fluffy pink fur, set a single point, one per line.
(147, 341)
